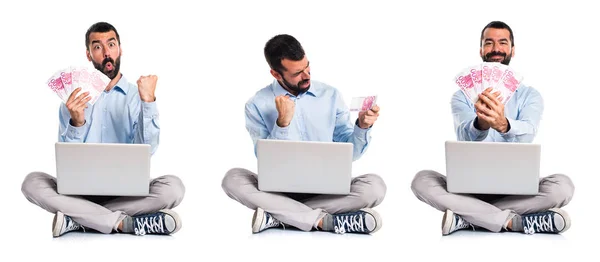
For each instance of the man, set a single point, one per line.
(123, 113)
(489, 120)
(295, 108)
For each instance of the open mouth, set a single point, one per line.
(305, 83)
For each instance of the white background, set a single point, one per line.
(209, 59)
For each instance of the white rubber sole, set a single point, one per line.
(57, 224)
(447, 222)
(378, 220)
(257, 219)
(565, 217)
(176, 217)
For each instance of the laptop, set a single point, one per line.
(304, 166)
(103, 169)
(492, 167)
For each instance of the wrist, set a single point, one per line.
(360, 124)
(505, 127)
(282, 123)
(476, 123)
(76, 124)
(148, 99)
(479, 125)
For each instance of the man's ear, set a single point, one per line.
(276, 74)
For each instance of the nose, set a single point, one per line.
(306, 73)
(106, 52)
(496, 47)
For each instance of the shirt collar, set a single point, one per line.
(122, 85)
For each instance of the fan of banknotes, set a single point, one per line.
(64, 81)
(475, 79)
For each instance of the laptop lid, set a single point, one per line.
(304, 166)
(492, 167)
(103, 169)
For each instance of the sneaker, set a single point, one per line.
(63, 224)
(453, 222)
(163, 222)
(263, 220)
(554, 220)
(364, 221)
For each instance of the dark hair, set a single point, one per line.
(280, 47)
(100, 27)
(498, 25)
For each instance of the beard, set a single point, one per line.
(296, 88)
(488, 57)
(116, 64)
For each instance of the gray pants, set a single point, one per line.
(302, 210)
(491, 211)
(98, 212)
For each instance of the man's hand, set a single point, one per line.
(285, 108)
(146, 87)
(367, 118)
(490, 112)
(76, 106)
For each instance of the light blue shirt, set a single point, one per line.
(118, 116)
(320, 114)
(523, 111)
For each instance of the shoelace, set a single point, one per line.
(538, 223)
(461, 223)
(149, 224)
(72, 225)
(271, 222)
(349, 223)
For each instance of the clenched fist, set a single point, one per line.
(285, 108)
(146, 87)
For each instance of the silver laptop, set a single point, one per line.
(103, 169)
(493, 167)
(304, 166)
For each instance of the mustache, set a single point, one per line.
(494, 53)
(106, 60)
